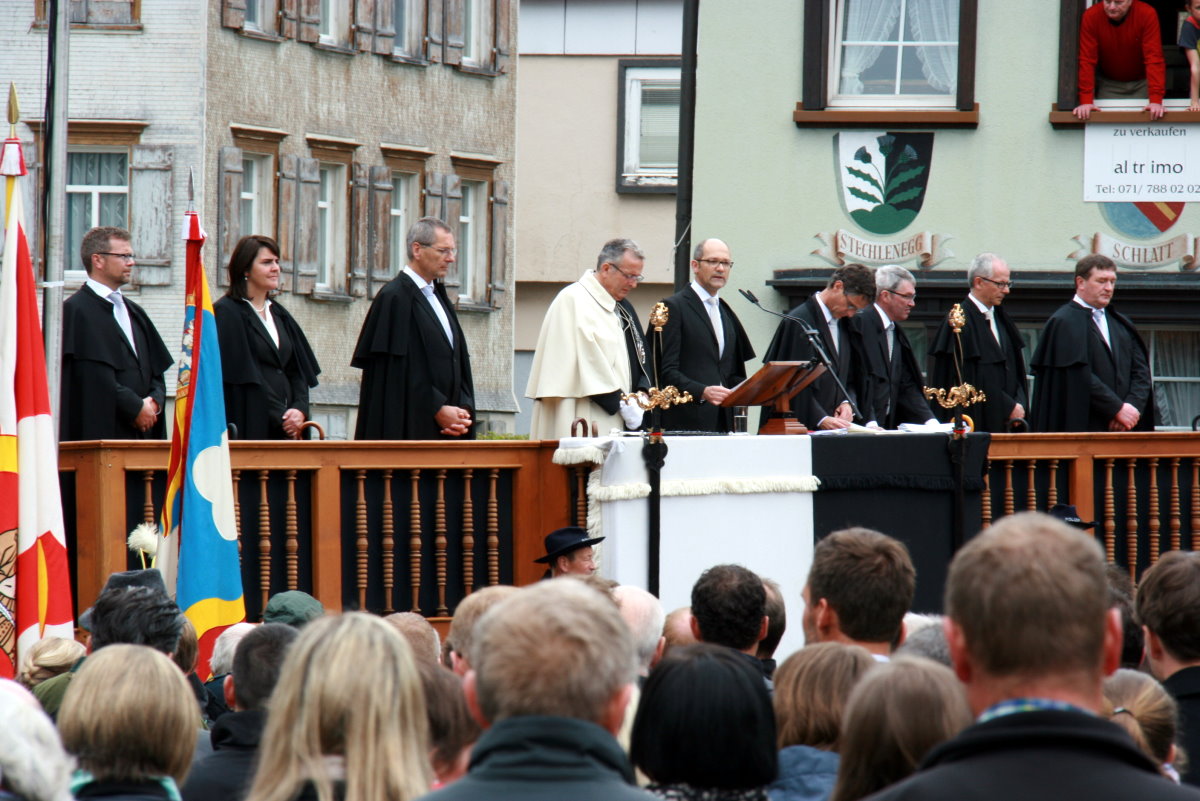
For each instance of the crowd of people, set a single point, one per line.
(575, 687)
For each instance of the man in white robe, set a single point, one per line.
(590, 350)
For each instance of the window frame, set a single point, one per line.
(408, 46)
(815, 109)
(473, 243)
(399, 223)
(77, 275)
(40, 9)
(334, 28)
(479, 174)
(333, 263)
(263, 169)
(639, 182)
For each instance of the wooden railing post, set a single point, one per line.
(327, 532)
(100, 521)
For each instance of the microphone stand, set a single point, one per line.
(814, 339)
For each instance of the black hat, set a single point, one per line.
(151, 578)
(565, 540)
(1067, 514)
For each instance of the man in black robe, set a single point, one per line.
(1091, 369)
(896, 381)
(704, 347)
(112, 356)
(822, 404)
(416, 381)
(992, 350)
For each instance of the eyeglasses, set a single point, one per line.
(728, 265)
(1001, 284)
(637, 279)
(452, 252)
(905, 295)
(128, 257)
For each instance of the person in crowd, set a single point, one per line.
(462, 626)
(221, 664)
(295, 608)
(1143, 707)
(860, 585)
(225, 774)
(928, 641)
(811, 690)
(33, 764)
(1120, 55)
(130, 720)
(452, 730)
(643, 613)
(267, 364)
(347, 720)
(49, 657)
(1032, 636)
(677, 628)
(822, 404)
(551, 672)
(704, 347)
(992, 355)
(569, 552)
(1121, 595)
(185, 656)
(421, 635)
(416, 379)
(1091, 368)
(897, 382)
(133, 609)
(776, 625)
(729, 608)
(590, 350)
(894, 717)
(705, 730)
(1167, 600)
(113, 359)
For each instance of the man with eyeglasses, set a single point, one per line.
(590, 350)
(1091, 369)
(822, 404)
(896, 381)
(113, 359)
(416, 379)
(993, 358)
(704, 347)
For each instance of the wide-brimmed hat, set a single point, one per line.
(151, 578)
(1068, 514)
(564, 540)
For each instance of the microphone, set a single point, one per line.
(814, 338)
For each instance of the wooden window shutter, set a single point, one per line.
(33, 212)
(305, 254)
(499, 256)
(364, 24)
(150, 219)
(456, 19)
(453, 204)
(289, 198)
(381, 229)
(233, 14)
(360, 228)
(229, 207)
(434, 36)
(310, 20)
(502, 19)
(385, 28)
(288, 18)
(814, 89)
(434, 205)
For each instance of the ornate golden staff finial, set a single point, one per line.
(964, 394)
(656, 398)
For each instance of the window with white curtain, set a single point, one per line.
(650, 127)
(331, 229)
(97, 194)
(1175, 365)
(894, 53)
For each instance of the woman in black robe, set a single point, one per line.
(267, 362)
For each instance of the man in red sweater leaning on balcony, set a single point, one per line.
(1122, 37)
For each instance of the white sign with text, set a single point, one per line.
(1142, 162)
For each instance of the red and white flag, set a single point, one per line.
(35, 588)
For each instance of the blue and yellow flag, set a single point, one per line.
(198, 525)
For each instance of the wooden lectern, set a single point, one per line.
(775, 384)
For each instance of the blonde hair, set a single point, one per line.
(349, 687)
(1142, 707)
(811, 690)
(128, 715)
(48, 658)
(896, 715)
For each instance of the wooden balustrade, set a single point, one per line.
(322, 517)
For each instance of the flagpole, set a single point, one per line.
(54, 177)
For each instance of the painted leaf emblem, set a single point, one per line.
(865, 176)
